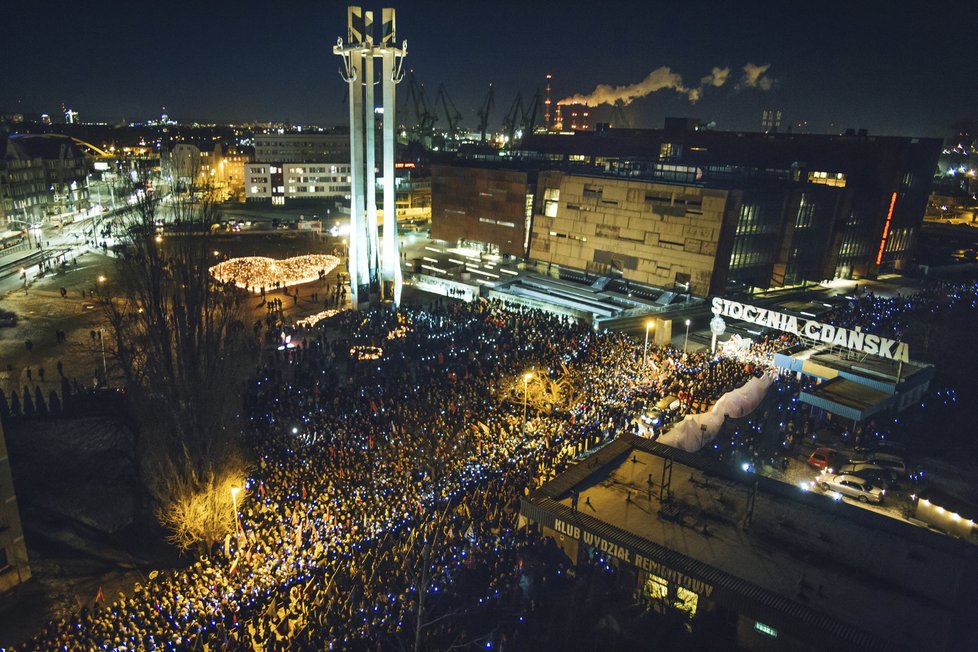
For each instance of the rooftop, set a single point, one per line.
(824, 562)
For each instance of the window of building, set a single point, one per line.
(806, 214)
(551, 198)
(835, 179)
(767, 630)
(657, 588)
(686, 601)
(592, 193)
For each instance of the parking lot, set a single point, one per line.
(896, 501)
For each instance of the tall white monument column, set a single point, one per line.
(391, 74)
(373, 272)
(370, 133)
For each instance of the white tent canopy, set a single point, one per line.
(697, 430)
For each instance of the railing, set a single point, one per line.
(17, 248)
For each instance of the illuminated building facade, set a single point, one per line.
(573, 117)
(206, 164)
(41, 176)
(798, 207)
(720, 211)
(279, 182)
(299, 166)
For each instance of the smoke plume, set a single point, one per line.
(664, 78)
(755, 77)
(657, 80)
(716, 78)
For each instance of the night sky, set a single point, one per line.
(887, 66)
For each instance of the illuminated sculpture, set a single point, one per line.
(373, 272)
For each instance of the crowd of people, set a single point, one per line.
(385, 492)
(382, 506)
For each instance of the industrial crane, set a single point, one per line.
(530, 114)
(424, 117)
(521, 119)
(513, 119)
(484, 111)
(452, 116)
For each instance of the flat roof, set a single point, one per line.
(602, 301)
(858, 398)
(861, 364)
(826, 563)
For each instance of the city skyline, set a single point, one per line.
(827, 68)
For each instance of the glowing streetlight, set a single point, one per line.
(234, 502)
(158, 238)
(649, 325)
(101, 279)
(686, 339)
(526, 385)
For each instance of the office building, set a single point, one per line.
(299, 166)
(483, 207)
(302, 147)
(719, 211)
(278, 182)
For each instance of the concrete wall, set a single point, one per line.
(16, 569)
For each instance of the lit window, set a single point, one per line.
(686, 601)
(767, 630)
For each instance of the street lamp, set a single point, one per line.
(526, 384)
(105, 369)
(234, 502)
(649, 325)
(686, 339)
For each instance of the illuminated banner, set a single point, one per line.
(847, 338)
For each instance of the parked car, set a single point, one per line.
(853, 486)
(823, 458)
(877, 475)
(668, 403)
(887, 460)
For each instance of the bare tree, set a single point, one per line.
(543, 393)
(179, 344)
